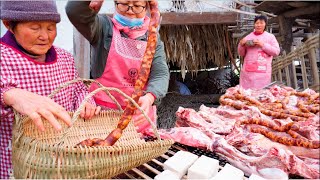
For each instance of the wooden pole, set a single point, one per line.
(313, 64)
(304, 73)
(280, 75)
(285, 28)
(286, 70)
(81, 51)
(294, 72)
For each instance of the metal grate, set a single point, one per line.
(154, 167)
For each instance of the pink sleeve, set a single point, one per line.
(241, 50)
(5, 85)
(80, 89)
(272, 48)
(7, 80)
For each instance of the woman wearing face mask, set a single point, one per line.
(258, 49)
(118, 45)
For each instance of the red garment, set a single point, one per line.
(20, 71)
(122, 68)
(121, 71)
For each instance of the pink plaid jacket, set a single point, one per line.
(19, 71)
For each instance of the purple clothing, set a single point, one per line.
(10, 40)
(256, 70)
(29, 11)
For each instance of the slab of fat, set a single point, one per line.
(166, 175)
(203, 168)
(180, 162)
(229, 172)
(256, 177)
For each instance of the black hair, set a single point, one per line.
(13, 24)
(261, 17)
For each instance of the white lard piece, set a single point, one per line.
(203, 168)
(256, 177)
(273, 173)
(293, 100)
(180, 162)
(229, 172)
(166, 175)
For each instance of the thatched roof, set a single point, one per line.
(194, 47)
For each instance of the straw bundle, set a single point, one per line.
(53, 155)
(194, 47)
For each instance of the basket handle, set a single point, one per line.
(77, 113)
(84, 81)
(18, 116)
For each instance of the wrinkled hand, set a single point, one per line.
(96, 5)
(89, 111)
(256, 42)
(36, 106)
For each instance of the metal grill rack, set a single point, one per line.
(154, 167)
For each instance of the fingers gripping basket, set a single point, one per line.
(52, 154)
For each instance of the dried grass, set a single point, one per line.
(194, 47)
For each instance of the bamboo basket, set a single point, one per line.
(53, 155)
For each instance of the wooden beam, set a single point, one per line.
(285, 28)
(312, 9)
(298, 4)
(297, 34)
(197, 18)
(173, 18)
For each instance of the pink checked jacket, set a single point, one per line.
(20, 71)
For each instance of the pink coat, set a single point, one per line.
(256, 70)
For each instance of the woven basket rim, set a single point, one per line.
(57, 147)
(60, 147)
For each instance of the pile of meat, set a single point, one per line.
(270, 132)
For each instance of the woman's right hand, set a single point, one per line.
(96, 5)
(36, 106)
(243, 42)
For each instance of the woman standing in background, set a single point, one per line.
(258, 49)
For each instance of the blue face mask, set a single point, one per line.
(130, 22)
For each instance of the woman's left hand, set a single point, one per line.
(145, 103)
(257, 42)
(89, 111)
(96, 5)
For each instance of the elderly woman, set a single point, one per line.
(258, 49)
(31, 68)
(118, 45)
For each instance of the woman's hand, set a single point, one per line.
(89, 111)
(257, 42)
(145, 102)
(243, 42)
(96, 5)
(36, 106)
